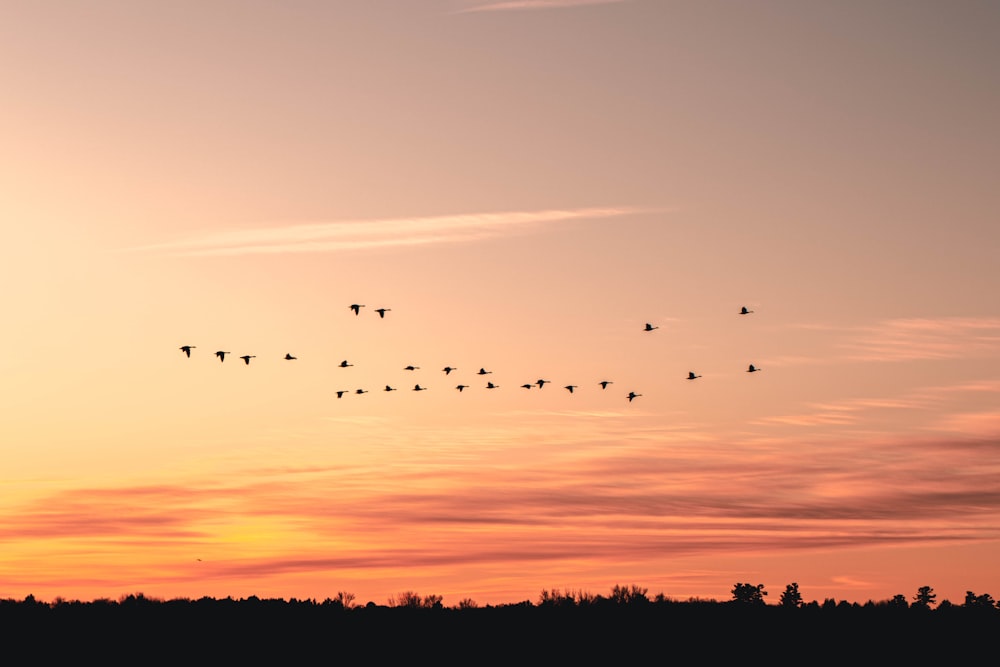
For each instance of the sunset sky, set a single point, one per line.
(524, 184)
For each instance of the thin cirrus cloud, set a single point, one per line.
(981, 424)
(912, 339)
(807, 492)
(379, 233)
(841, 413)
(521, 5)
(625, 504)
(896, 340)
(941, 407)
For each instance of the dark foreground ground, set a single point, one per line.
(280, 632)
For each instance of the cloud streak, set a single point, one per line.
(645, 495)
(380, 233)
(523, 5)
(918, 339)
(622, 506)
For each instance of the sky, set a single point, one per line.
(523, 185)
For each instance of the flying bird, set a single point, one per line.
(490, 385)
(341, 393)
(650, 327)
(247, 357)
(417, 387)
(382, 311)
(461, 387)
(448, 369)
(570, 387)
(222, 355)
(289, 357)
(692, 376)
(527, 386)
(344, 364)
(388, 388)
(752, 369)
(411, 368)
(356, 307)
(744, 311)
(604, 383)
(186, 349)
(483, 371)
(632, 395)
(360, 391)
(541, 383)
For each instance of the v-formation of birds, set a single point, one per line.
(540, 383)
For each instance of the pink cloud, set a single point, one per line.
(520, 5)
(606, 506)
(926, 339)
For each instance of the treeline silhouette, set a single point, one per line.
(558, 626)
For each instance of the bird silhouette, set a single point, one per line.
(356, 307)
(289, 357)
(752, 369)
(417, 387)
(483, 371)
(570, 387)
(527, 386)
(382, 311)
(461, 387)
(744, 311)
(388, 388)
(632, 395)
(247, 357)
(186, 349)
(448, 369)
(650, 327)
(490, 385)
(222, 355)
(541, 383)
(411, 368)
(360, 391)
(604, 383)
(344, 364)
(692, 376)
(341, 393)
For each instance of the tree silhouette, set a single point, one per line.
(406, 599)
(555, 598)
(925, 597)
(629, 594)
(749, 594)
(899, 600)
(984, 601)
(791, 597)
(345, 599)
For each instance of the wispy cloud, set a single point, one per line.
(520, 5)
(379, 233)
(926, 339)
(628, 505)
(946, 407)
(892, 340)
(977, 424)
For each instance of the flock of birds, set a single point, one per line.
(540, 383)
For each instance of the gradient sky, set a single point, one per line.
(524, 184)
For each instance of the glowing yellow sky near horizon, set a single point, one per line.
(524, 185)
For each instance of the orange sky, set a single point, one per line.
(525, 185)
